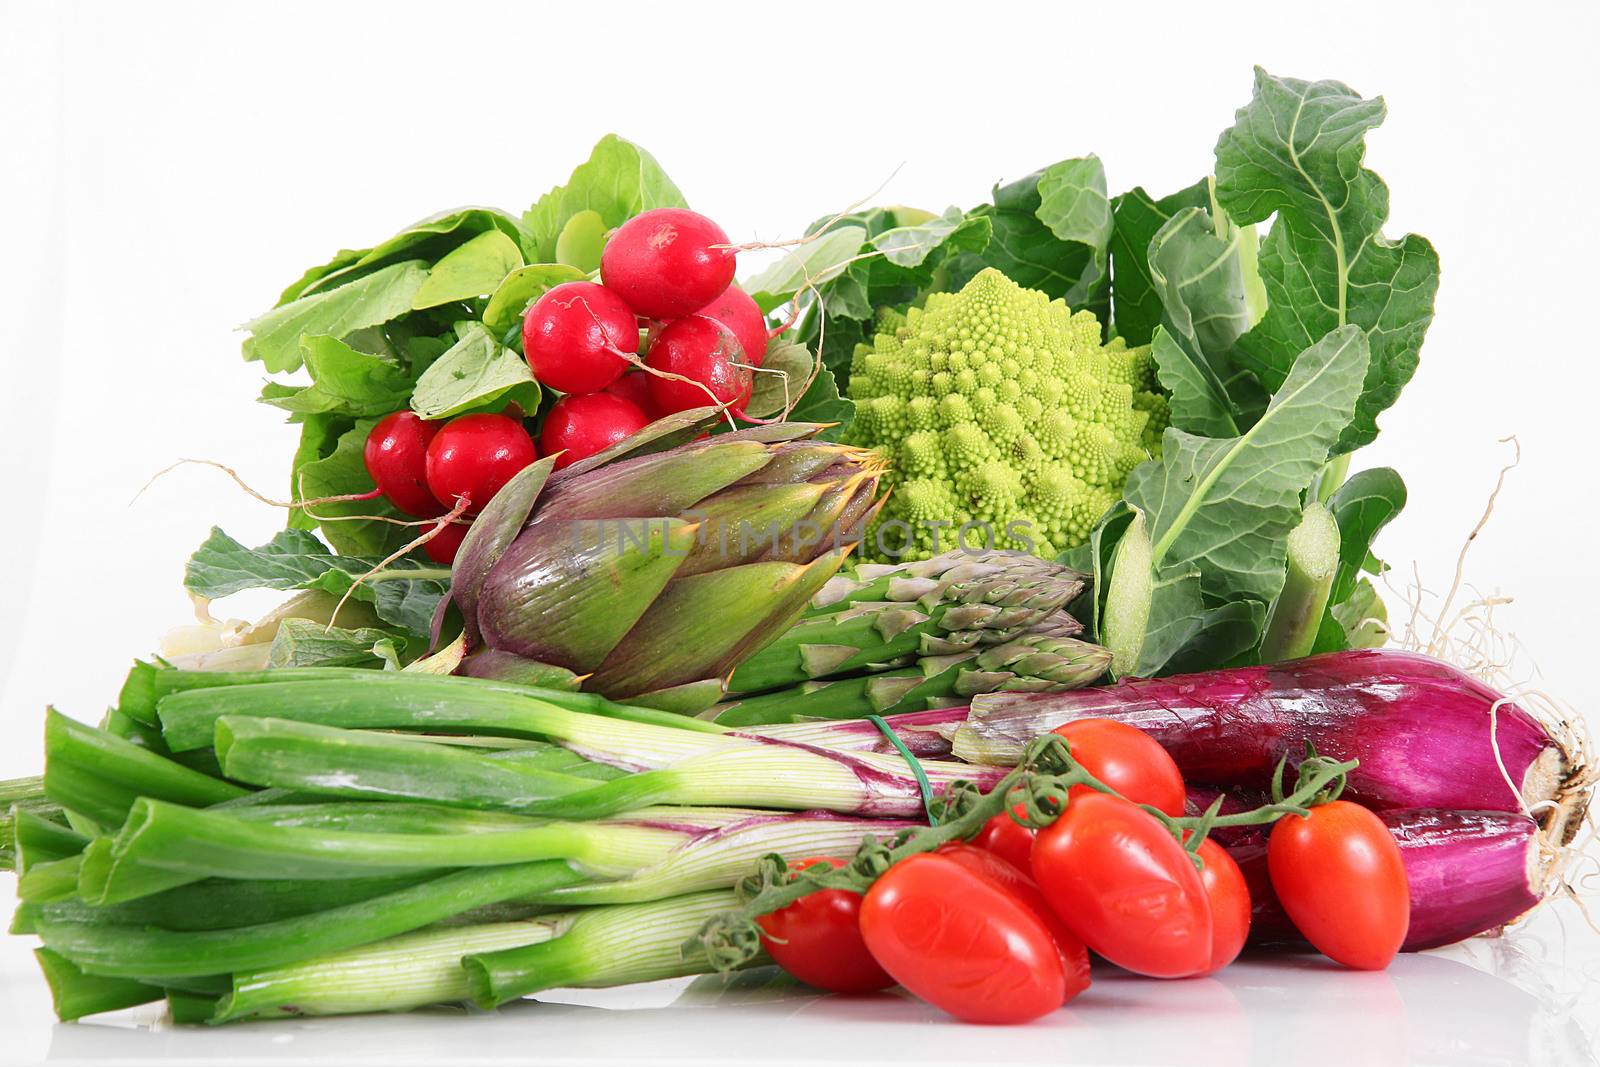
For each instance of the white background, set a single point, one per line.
(165, 169)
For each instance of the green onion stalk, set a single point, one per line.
(320, 737)
(223, 926)
(485, 963)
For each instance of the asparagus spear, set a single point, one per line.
(1031, 663)
(948, 618)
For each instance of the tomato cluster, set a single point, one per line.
(666, 274)
(999, 930)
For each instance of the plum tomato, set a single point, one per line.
(1229, 896)
(1339, 875)
(1128, 760)
(960, 942)
(1074, 956)
(1008, 839)
(818, 940)
(1124, 885)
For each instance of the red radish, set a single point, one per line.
(666, 263)
(443, 545)
(634, 387)
(572, 334)
(739, 313)
(579, 426)
(703, 351)
(397, 458)
(473, 456)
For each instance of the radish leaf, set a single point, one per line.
(340, 471)
(369, 301)
(477, 373)
(296, 559)
(427, 240)
(474, 269)
(519, 289)
(619, 181)
(343, 381)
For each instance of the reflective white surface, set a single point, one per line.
(1529, 998)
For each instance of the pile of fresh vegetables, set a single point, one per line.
(583, 681)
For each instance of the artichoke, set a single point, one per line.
(649, 575)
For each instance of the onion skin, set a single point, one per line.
(1421, 728)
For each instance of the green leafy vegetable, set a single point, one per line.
(343, 381)
(1195, 264)
(618, 182)
(472, 270)
(1221, 636)
(1362, 618)
(368, 301)
(1136, 218)
(810, 264)
(295, 559)
(1296, 151)
(782, 385)
(1051, 231)
(1220, 511)
(520, 288)
(478, 372)
(1226, 505)
(1362, 507)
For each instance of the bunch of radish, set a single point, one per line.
(666, 287)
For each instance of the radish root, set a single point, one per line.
(292, 505)
(435, 526)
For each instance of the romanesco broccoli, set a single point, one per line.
(997, 405)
